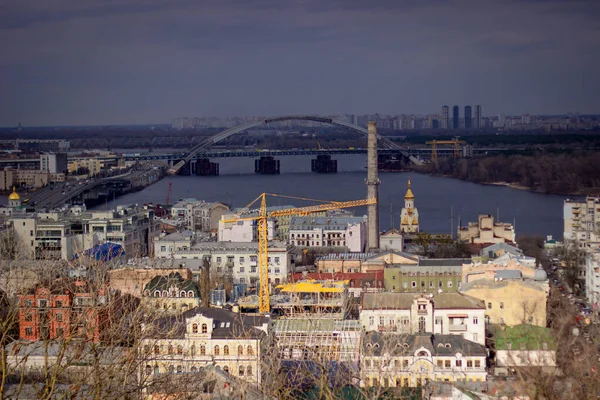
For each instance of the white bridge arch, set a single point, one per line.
(205, 145)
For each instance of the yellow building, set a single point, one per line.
(511, 301)
(94, 165)
(201, 337)
(409, 216)
(389, 360)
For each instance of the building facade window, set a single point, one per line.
(204, 328)
(195, 328)
(217, 351)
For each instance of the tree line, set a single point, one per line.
(575, 173)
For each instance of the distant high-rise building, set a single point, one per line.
(455, 117)
(468, 118)
(478, 120)
(445, 117)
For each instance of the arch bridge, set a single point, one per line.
(202, 147)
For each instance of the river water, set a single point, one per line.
(435, 197)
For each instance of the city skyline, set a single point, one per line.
(142, 62)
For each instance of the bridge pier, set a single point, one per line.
(266, 165)
(323, 164)
(185, 170)
(206, 168)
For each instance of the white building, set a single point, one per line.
(592, 279)
(238, 261)
(334, 231)
(199, 215)
(243, 231)
(408, 313)
(582, 221)
(55, 163)
(487, 231)
(391, 240)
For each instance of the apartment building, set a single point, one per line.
(205, 336)
(62, 308)
(61, 235)
(199, 215)
(389, 360)
(334, 231)
(582, 221)
(231, 260)
(592, 279)
(434, 313)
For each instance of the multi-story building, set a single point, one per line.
(486, 231)
(445, 117)
(199, 215)
(455, 117)
(468, 117)
(171, 293)
(61, 235)
(334, 231)
(582, 221)
(130, 226)
(433, 313)
(55, 163)
(427, 276)
(235, 261)
(592, 279)
(92, 164)
(510, 299)
(363, 262)
(244, 230)
(10, 177)
(409, 216)
(411, 360)
(204, 336)
(478, 118)
(62, 309)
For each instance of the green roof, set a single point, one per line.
(531, 336)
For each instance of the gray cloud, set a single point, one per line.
(137, 61)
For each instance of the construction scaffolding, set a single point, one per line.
(313, 339)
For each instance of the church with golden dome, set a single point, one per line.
(409, 217)
(14, 200)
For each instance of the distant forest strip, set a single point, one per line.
(566, 173)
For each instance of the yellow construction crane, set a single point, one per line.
(456, 142)
(264, 306)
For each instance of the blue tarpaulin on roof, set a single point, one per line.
(105, 252)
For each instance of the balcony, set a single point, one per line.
(457, 328)
(229, 264)
(422, 312)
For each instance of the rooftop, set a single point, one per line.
(327, 223)
(377, 344)
(345, 256)
(404, 301)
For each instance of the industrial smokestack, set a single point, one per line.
(372, 188)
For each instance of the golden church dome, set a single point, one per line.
(409, 194)
(14, 195)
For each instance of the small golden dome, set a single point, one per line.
(409, 193)
(14, 195)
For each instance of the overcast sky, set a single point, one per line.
(73, 62)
